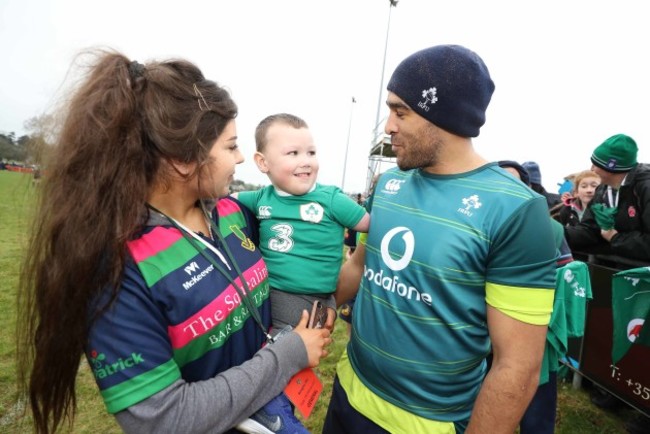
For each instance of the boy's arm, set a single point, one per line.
(363, 224)
(350, 275)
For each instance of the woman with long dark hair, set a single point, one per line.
(139, 261)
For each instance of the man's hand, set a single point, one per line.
(608, 234)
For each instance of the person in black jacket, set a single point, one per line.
(535, 183)
(625, 186)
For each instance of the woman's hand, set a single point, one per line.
(315, 340)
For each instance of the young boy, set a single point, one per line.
(301, 223)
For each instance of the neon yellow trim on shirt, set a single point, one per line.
(383, 413)
(529, 305)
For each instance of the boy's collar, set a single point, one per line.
(285, 194)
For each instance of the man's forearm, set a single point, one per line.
(503, 399)
(350, 276)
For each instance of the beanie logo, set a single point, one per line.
(430, 97)
(611, 164)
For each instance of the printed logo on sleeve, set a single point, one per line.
(103, 368)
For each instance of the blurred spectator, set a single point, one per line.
(535, 181)
(572, 209)
(36, 176)
(618, 219)
(350, 237)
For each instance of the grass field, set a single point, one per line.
(576, 414)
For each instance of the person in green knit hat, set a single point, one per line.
(618, 222)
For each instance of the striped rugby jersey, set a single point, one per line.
(176, 315)
(439, 249)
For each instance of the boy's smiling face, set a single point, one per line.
(289, 159)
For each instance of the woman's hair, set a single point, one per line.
(122, 122)
(580, 176)
(281, 118)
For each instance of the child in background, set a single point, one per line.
(574, 206)
(301, 222)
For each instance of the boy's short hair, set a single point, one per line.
(267, 122)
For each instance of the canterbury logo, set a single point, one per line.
(392, 186)
(264, 212)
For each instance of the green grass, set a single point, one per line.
(17, 200)
(576, 414)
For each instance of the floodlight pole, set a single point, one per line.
(347, 144)
(393, 3)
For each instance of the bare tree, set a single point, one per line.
(42, 131)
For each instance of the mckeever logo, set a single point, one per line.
(264, 212)
(103, 369)
(430, 97)
(392, 186)
(196, 278)
(471, 202)
(191, 269)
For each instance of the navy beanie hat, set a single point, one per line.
(523, 173)
(533, 172)
(448, 85)
(616, 154)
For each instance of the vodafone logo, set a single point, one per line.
(634, 329)
(407, 254)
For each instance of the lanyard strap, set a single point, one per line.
(192, 238)
(613, 202)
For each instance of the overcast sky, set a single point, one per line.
(568, 74)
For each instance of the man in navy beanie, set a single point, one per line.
(448, 271)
